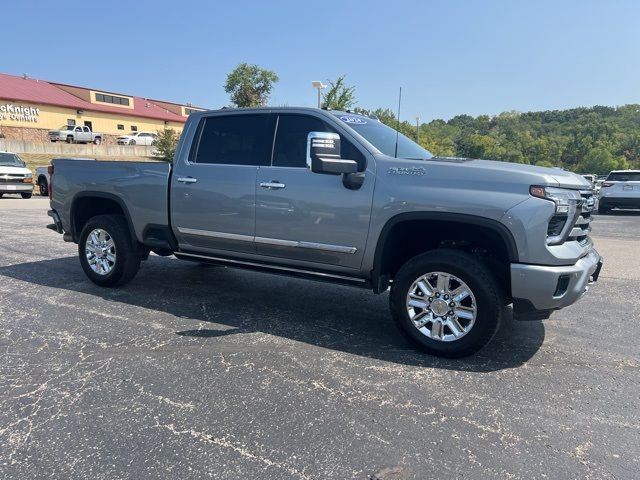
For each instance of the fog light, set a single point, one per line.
(563, 285)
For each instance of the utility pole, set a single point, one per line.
(417, 129)
(319, 86)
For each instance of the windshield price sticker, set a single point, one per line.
(349, 119)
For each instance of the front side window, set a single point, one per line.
(290, 149)
(234, 140)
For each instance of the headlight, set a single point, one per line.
(562, 197)
(566, 213)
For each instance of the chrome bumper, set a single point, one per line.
(537, 290)
(16, 188)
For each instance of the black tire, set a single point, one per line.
(488, 295)
(132, 142)
(69, 139)
(602, 210)
(127, 261)
(43, 187)
(97, 141)
(1, 195)
(26, 196)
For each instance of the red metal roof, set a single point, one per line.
(19, 89)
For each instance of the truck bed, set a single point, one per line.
(139, 187)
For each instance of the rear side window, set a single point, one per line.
(234, 140)
(624, 177)
(290, 148)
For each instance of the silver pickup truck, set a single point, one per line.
(341, 197)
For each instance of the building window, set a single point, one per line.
(120, 126)
(101, 97)
(134, 128)
(71, 121)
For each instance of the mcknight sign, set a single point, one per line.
(19, 113)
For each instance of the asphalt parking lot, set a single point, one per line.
(195, 372)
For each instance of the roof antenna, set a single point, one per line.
(398, 121)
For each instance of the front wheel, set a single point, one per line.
(26, 195)
(106, 252)
(447, 302)
(602, 210)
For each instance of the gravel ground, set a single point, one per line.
(194, 372)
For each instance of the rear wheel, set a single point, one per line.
(106, 252)
(447, 302)
(26, 195)
(43, 187)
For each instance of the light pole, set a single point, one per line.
(417, 129)
(320, 86)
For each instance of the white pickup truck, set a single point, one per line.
(75, 134)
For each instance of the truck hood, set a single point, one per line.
(486, 171)
(548, 176)
(14, 170)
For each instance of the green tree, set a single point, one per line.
(339, 96)
(600, 161)
(250, 85)
(165, 144)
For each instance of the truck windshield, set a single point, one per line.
(384, 138)
(10, 160)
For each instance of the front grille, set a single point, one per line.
(582, 226)
(11, 178)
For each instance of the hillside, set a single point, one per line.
(587, 140)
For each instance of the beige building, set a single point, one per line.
(29, 108)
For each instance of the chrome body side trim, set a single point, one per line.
(209, 233)
(270, 241)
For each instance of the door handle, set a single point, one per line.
(187, 180)
(275, 185)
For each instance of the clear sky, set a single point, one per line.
(450, 57)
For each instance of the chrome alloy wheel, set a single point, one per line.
(441, 306)
(100, 250)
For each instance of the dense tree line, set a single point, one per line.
(587, 140)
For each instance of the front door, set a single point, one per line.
(307, 216)
(213, 194)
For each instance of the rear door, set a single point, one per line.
(305, 216)
(213, 192)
